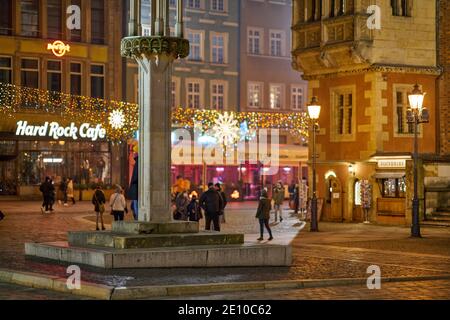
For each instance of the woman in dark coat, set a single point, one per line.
(263, 214)
(99, 200)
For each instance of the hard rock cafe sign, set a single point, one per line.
(58, 48)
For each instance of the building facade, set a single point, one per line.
(40, 56)
(268, 83)
(238, 49)
(362, 73)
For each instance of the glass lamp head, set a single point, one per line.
(416, 98)
(314, 109)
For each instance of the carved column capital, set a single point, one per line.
(135, 47)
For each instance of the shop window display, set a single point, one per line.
(86, 163)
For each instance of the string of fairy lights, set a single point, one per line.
(121, 119)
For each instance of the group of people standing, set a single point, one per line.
(48, 191)
(212, 202)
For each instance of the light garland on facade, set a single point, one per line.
(81, 109)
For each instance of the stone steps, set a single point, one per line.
(144, 241)
(242, 255)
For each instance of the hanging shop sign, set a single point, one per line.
(58, 48)
(392, 164)
(55, 131)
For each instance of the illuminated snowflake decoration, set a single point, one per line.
(117, 119)
(226, 129)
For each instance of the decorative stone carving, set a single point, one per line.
(132, 47)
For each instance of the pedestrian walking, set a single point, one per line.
(211, 203)
(194, 210)
(263, 215)
(47, 190)
(63, 189)
(224, 202)
(278, 198)
(182, 202)
(99, 200)
(118, 204)
(70, 190)
(133, 189)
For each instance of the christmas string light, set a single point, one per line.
(81, 109)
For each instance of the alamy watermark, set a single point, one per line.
(374, 20)
(74, 280)
(374, 280)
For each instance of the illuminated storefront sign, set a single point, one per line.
(393, 163)
(56, 131)
(58, 48)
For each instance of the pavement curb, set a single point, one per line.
(41, 281)
(103, 292)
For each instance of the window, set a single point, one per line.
(275, 96)
(254, 41)
(30, 18)
(276, 43)
(254, 95)
(393, 188)
(194, 4)
(342, 119)
(54, 75)
(401, 8)
(6, 17)
(172, 3)
(296, 98)
(97, 81)
(401, 109)
(98, 21)
(218, 96)
(314, 9)
(337, 7)
(29, 75)
(175, 95)
(75, 35)
(146, 11)
(75, 78)
(218, 48)
(218, 5)
(193, 95)
(344, 105)
(195, 43)
(54, 19)
(6, 69)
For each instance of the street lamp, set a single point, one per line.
(314, 113)
(416, 114)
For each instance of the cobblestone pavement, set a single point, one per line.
(419, 290)
(13, 292)
(338, 251)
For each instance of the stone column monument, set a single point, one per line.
(155, 241)
(155, 55)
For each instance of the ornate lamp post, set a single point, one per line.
(314, 113)
(416, 114)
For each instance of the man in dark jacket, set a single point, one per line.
(211, 201)
(133, 189)
(47, 190)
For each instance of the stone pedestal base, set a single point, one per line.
(149, 245)
(244, 255)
